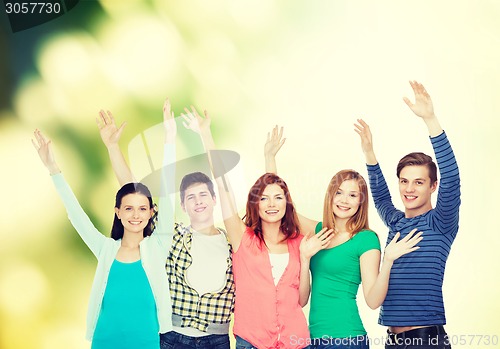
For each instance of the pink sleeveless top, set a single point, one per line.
(266, 315)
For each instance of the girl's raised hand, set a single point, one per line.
(365, 135)
(169, 122)
(274, 142)
(44, 149)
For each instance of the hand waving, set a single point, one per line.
(363, 130)
(44, 149)
(423, 106)
(274, 142)
(195, 122)
(311, 244)
(110, 134)
(169, 122)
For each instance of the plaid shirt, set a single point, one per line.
(196, 311)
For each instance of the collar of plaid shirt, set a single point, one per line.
(207, 312)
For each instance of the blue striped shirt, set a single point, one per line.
(415, 296)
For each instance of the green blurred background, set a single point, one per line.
(312, 66)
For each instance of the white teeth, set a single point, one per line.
(410, 197)
(271, 212)
(135, 223)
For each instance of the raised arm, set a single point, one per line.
(375, 283)
(234, 225)
(424, 108)
(365, 135)
(110, 135)
(79, 219)
(273, 144)
(165, 226)
(43, 147)
(448, 202)
(378, 186)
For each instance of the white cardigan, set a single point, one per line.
(153, 249)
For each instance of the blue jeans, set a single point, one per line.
(354, 342)
(174, 340)
(243, 344)
(431, 337)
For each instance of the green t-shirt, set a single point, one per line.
(336, 277)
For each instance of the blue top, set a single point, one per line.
(128, 313)
(336, 277)
(415, 296)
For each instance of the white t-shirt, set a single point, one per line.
(279, 262)
(207, 272)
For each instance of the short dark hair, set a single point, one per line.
(132, 188)
(418, 159)
(195, 178)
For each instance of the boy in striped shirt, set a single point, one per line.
(413, 308)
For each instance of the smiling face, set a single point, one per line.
(346, 200)
(415, 189)
(272, 204)
(199, 204)
(134, 213)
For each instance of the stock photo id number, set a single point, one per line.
(28, 14)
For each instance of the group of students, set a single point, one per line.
(165, 285)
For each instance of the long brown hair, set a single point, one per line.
(290, 221)
(359, 220)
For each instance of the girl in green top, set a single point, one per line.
(351, 257)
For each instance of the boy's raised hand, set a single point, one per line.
(423, 106)
(195, 122)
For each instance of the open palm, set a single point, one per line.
(423, 106)
(110, 134)
(195, 122)
(44, 149)
(274, 141)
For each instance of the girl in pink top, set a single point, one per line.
(268, 314)
(267, 252)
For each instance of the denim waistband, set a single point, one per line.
(212, 328)
(423, 332)
(211, 340)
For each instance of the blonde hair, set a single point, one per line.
(359, 221)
